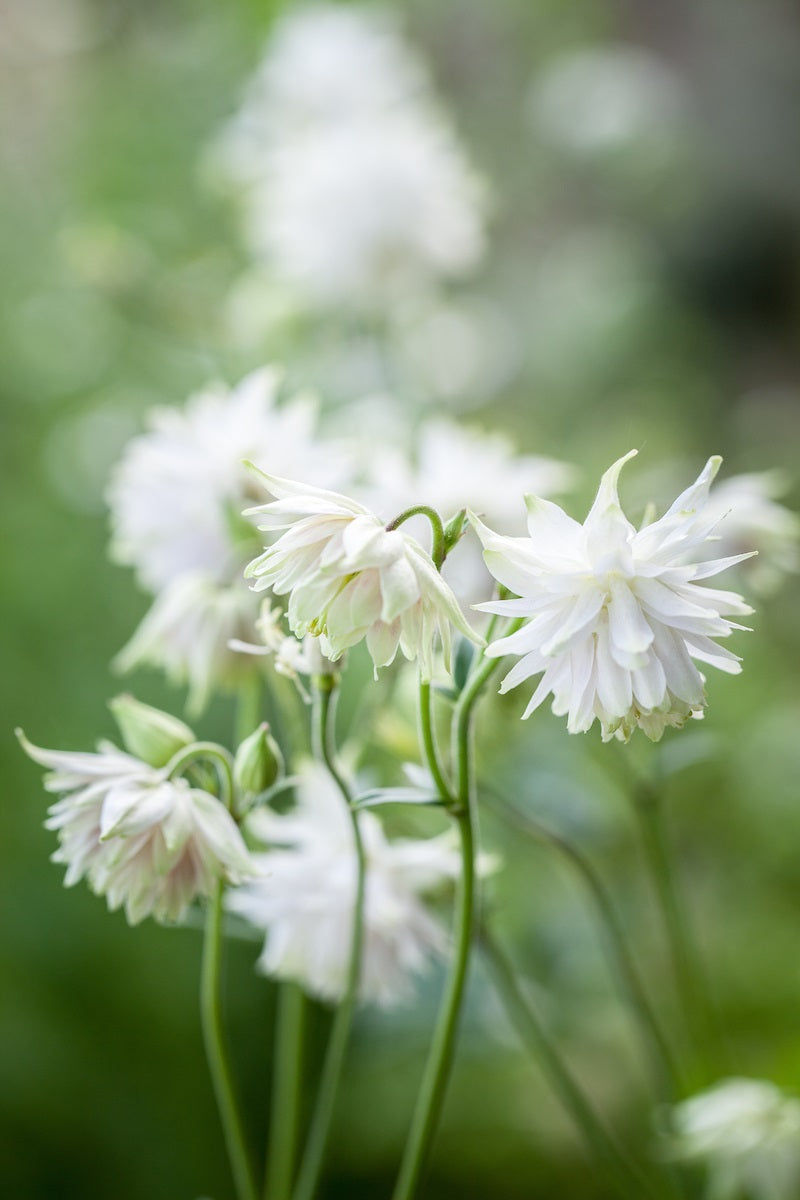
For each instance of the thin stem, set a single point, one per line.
(438, 547)
(286, 1092)
(623, 1174)
(688, 982)
(217, 1055)
(623, 968)
(316, 1145)
(248, 705)
(429, 742)
(435, 1077)
(212, 753)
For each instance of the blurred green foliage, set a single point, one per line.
(652, 295)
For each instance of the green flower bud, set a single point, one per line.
(257, 765)
(148, 733)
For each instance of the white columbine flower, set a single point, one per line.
(144, 841)
(747, 1133)
(303, 898)
(615, 615)
(176, 499)
(350, 578)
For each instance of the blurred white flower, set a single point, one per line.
(616, 615)
(754, 520)
(355, 189)
(747, 1133)
(303, 898)
(350, 578)
(368, 212)
(325, 65)
(176, 499)
(290, 656)
(144, 841)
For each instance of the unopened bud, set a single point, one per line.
(257, 765)
(148, 733)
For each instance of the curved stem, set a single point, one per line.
(623, 1174)
(438, 547)
(623, 968)
(316, 1145)
(286, 1091)
(213, 753)
(216, 1052)
(428, 1109)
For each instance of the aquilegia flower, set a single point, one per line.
(616, 615)
(350, 578)
(146, 842)
(746, 1132)
(304, 895)
(176, 499)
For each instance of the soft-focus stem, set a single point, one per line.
(663, 1065)
(287, 1076)
(428, 740)
(216, 1052)
(623, 1174)
(210, 752)
(686, 970)
(430, 1099)
(316, 1144)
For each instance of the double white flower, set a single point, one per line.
(350, 578)
(616, 615)
(144, 841)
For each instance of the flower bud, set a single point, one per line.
(148, 733)
(257, 765)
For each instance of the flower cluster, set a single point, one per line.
(350, 578)
(304, 894)
(148, 843)
(614, 616)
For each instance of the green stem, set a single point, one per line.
(438, 547)
(316, 1145)
(624, 971)
(435, 1077)
(686, 970)
(216, 1052)
(429, 743)
(623, 1174)
(286, 1091)
(213, 753)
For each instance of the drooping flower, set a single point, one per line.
(747, 1134)
(350, 578)
(146, 842)
(176, 499)
(304, 895)
(615, 616)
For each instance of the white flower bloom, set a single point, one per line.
(176, 499)
(747, 1133)
(144, 841)
(616, 615)
(303, 898)
(350, 578)
(754, 520)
